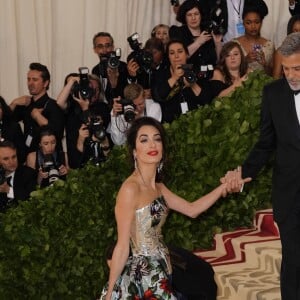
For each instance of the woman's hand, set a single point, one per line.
(203, 38)
(62, 170)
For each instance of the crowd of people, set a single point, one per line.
(177, 70)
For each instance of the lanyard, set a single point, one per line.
(238, 11)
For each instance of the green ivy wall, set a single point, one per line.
(53, 246)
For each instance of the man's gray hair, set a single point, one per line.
(290, 45)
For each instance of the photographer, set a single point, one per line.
(204, 46)
(16, 181)
(114, 76)
(50, 162)
(77, 111)
(126, 110)
(179, 89)
(38, 109)
(93, 143)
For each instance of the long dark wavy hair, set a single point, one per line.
(132, 133)
(222, 64)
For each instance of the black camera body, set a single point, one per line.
(111, 60)
(174, 2)
(96, 128)
(189, 73)
(216, 20)
(50, 167)
(128, 109)
(2, 175)
(142, 57)
(83, 87)
(193, 73)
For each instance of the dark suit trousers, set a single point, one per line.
(290, 266)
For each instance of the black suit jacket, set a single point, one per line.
(279, 132)
(25, 181)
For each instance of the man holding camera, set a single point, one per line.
(125, 110)
(16, 182)
(38, 109)
(110, 69)
(78, 111)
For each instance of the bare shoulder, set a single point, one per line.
(164, 190)
(127, 193)
(218, 75)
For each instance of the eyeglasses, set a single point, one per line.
(103, 46)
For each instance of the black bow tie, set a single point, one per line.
(296, 92)
(8, 180)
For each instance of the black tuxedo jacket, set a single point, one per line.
(25, 181)
(279, 132)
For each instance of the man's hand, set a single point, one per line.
(4, 188)
(234, 180)
(36, 113)
(132, 67)
(112, 76)
(22, 101)
(117, 107)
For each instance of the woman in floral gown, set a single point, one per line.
(141, 208)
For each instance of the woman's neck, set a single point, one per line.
(147, 175)
(195, 31)
(252, 39)
(235, 74)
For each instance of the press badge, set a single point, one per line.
(184, 107)
(240, 28)
(28, 140)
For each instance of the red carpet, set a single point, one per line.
(247, 261)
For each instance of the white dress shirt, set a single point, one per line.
(118, 126)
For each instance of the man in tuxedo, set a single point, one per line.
(280, 133)
(294, 7)
(16, 182)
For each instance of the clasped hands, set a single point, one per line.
(234, 181)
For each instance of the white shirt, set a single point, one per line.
(10, 193)
(235, 10)
(297, 104)
(118, 126)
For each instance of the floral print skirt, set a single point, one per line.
(143, 278)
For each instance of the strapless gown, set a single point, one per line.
(147, 272)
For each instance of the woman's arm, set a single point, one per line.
(192, 209)
(65, 92)
(199, 41)
(124, 213)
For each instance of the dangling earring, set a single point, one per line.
(160, 166)
(135, 162)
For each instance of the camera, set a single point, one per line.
(113, 60)
(193, 73)
(216, 20)
(143, 58)
(2, 175)
(174, 2)
(49, 166)
(189, 73)
(128, 109)
(83, 87)
(96, 128)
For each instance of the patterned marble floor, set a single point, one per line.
(247, 261)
